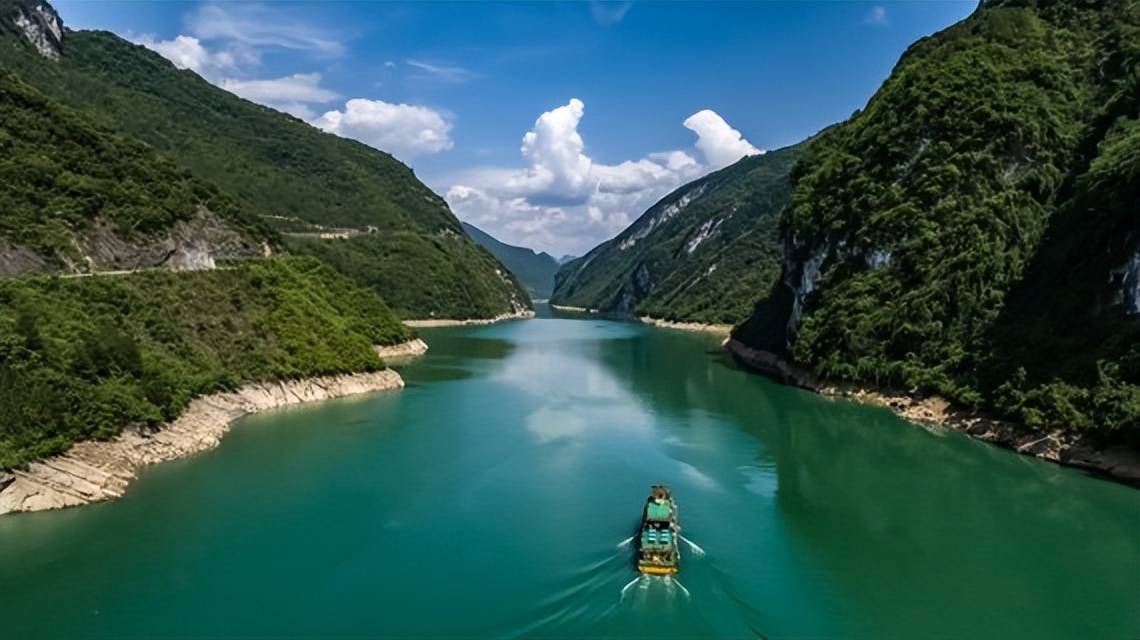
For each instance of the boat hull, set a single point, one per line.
(654, 570)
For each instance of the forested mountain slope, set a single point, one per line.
(82, 358)
(533, 269)
(269, 163)
(704, 253)
(76, 197)
(974, 231)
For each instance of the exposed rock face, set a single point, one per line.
(519, 307)
(187, 246)
(93, 471)
(18, 259)
(801, 275)
(42, 27)
(1131, 284)
(879, 259)
(640, 230)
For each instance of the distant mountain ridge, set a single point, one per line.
(700, 254)
(534, 270)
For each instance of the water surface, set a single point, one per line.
(489, 498)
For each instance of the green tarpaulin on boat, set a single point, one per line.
(659, 511)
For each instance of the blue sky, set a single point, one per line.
(604, 91)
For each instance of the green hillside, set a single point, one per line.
(704, 253)
(417, 274)
(974, 230)
(269, 163)
(81, 358)
(78, 197)
(533, 269)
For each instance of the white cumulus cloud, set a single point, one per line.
(188, 52)
(565, 202)
(559, 170)
(721, 144)
(403, 130)
(225, 50)
(291, 94)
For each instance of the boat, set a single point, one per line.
(658, 551)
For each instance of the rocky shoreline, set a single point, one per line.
(451, 322)
(699, 327)
(93, 471)
(1084, 451)
(402, 352)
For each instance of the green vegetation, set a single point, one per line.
(974, 219)
(268, 160)
(701, 254)
(442, 276)
(269, 163)
(534, 270)
(64, 176)
(82, 357)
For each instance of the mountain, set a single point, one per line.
(974, 231)
(268, 163)
(701, 254)
(534, 270)
(566, 258)
(79, 198)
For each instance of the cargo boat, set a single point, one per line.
(658, 551)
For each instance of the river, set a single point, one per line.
(489, 498)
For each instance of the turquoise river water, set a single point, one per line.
(490, 498)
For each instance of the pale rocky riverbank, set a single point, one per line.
(1061, 446)
(450, 322)
(700, 327)
(94, 471)
(403, 351)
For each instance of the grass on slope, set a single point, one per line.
(82, 357)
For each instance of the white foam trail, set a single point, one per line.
(630, 584)
(625, 542)
(692, 545)
(680, 586)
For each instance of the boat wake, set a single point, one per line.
(671, 585)
(694, 547)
